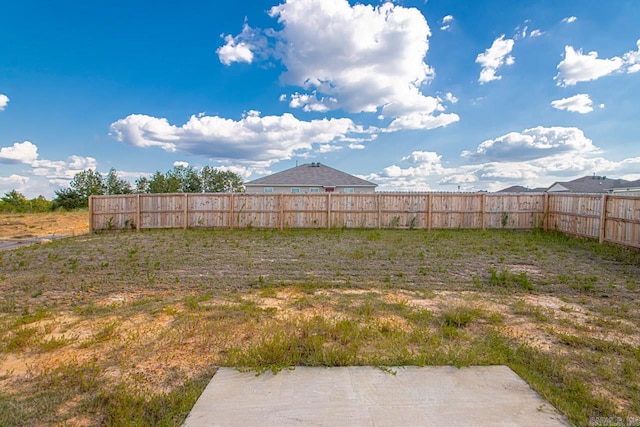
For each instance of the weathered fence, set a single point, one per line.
(611, 218)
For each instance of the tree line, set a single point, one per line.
(180, 179)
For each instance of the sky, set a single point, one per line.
(437, 95)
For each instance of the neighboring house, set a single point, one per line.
(632, 187)
(310, 178)
(521, 189)
(587, 184)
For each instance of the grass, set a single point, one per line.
(127, 328)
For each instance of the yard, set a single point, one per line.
(127, 327)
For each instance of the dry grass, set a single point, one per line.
(20, 226)
(129, 326)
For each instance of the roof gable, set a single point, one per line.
(311, 174)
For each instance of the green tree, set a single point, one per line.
(115, 185)
(217, 181)
(68, 199)
(40, 204)
(14, 201)
(84, 184)
(186, 179)
(158, 184)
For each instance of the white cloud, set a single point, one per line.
(20, 152)
(532, 143)
(535, 33)
(180, 164)
(449, 97)
(359, 58)
(577, 67)
(252, 139)
(13, 182)
(580, 103)
(632, 60)
(570, 19)
(310, 102)
(495, 57)
(237, 49)
(60, 170)
(446, 22)
(562, 154)
(4, 100)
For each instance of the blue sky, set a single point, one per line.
(434, 95)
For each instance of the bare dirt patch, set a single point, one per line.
(23, 226)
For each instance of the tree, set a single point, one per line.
(216, 181)
(114, 185)
(69, 199)
(184, 179)
(14, 201)
(87, 183)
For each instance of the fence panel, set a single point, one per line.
(622, 224)
(514, 211)
(455, 210)
(575, 214)
(304, 211)
(113, 212)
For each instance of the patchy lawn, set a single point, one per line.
(129, 327)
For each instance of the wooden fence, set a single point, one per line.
(610, 218)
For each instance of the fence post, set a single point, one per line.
(281, 211)
(185, 211)
(429, 203)
(545, 212)
(379, 211)
(328, 210)
(90, 214)
(603, 218)
(138, 215)
(484, 209)
(231, 210)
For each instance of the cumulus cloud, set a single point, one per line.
(237, 49)
(180, 164)
(632, 59)
(532, 143)
(535, 33)
(446, 22)
(570, 19)
(252, 139)
(359, 58)
(19, 152)
(13, 181)
(4, 100)
(577, 67)
(310, 102)
(580, 103)
(495, 57)
(560, 154)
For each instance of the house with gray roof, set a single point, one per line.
(587, 184)
(310, 178)
(631, 188)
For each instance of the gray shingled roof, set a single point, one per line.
(628, 184)
(515, 189)
(311, 174)
(592, 184)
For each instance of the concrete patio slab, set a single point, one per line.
(369, 396)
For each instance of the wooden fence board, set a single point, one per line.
(575, 214)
